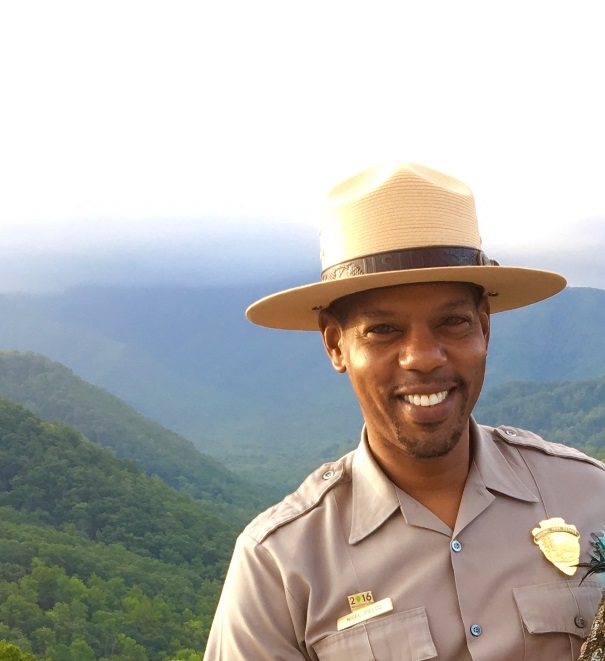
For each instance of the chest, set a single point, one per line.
(486, 594)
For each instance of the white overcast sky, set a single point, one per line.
(153, 125)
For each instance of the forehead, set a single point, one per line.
(423, 296)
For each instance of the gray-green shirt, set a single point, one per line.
(484, 591)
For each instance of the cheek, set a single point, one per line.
(368, 364)
(475, 360)
(370, 376)
(359, 375)
(468, 358)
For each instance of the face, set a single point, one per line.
(415, 355)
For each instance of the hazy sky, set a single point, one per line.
(168, 140)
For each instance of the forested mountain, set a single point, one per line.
(570, 412)
(190, 360)
(98, 560)
(54, 392)
(265, 403)
(559, 339)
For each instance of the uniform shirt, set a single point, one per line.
(484, 591)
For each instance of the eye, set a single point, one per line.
(380, 329)
(457, 324)
(456, 321)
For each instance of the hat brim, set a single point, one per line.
(507, 287)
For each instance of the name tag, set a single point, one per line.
(364, 614)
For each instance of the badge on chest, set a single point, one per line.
(560, 543)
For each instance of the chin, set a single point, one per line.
(435, 445)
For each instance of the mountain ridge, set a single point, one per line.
(97, 559)
(53, 392)
(188, 359)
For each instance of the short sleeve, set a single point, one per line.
(253, 621)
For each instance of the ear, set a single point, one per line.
(331, 333)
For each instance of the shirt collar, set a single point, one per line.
(375, 496)
(494, 470)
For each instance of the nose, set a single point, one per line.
(421, 351)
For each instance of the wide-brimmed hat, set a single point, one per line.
(394, 224)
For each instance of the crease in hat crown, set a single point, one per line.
(395, 206)
(400, 223)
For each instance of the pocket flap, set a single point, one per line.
(398, 637)
(564, 606)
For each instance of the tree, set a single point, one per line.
(10, 652)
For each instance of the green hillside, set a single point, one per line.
(569, 412)
(266, 403)
(53, 392)
(98, 560)
(557, 339)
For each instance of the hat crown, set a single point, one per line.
(401, 224)
(396, 206)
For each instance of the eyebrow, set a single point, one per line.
(379, 313)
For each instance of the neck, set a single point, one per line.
(436, 482)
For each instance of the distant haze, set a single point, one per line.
(210, 251)
(192, 142)
(579, 256)
(202, 253)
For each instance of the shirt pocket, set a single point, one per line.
(399, 637)
(557, 617)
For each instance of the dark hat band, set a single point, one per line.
(413, 258)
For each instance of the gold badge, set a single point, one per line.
(560, 543)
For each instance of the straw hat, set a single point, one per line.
(400, 223)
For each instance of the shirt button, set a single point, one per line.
(580, 621)
(476, 630)
(510, 432)
(456, 546)
(328, 475)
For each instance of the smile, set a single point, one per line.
(426, 400)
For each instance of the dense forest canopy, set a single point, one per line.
(98, 560)
(54, 392)
(570, 412)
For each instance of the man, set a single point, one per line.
(437, 537)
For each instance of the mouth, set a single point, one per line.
(426, 400)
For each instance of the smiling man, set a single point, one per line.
(415, 355)
(437, 538)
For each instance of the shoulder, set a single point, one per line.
(305, 499)
(525, 440)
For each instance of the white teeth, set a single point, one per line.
(426, 400)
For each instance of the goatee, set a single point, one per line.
(438, 442)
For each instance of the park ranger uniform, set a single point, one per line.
(349, 567)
